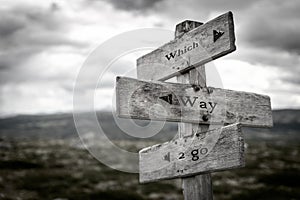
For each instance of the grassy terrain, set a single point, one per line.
(52, 169)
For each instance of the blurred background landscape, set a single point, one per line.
(43, 48)
(42, 158)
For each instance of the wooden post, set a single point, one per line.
(195, 187)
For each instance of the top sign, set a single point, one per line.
(198, 46)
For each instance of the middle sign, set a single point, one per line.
(189, 103)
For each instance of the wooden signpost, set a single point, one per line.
(196, 47)
(200, 147)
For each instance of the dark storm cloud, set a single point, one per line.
(293, 79)
(212, 5)
(282, 36)
(225, 5)
(26, 31)
(9, 25)
(268, 34)
(32, 27)
(273, 24)
(133, 5)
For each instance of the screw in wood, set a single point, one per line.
(196, 87)
(205, 118)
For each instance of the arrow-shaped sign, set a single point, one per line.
(138, 99)
(193, 49)
(191, 155)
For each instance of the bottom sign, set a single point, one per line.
(219, 149)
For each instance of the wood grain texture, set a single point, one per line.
(186, 54)
(219, 149)
(198, 187)
(190, 103)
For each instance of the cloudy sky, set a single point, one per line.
(44, 44)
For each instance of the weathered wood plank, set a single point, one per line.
(196, 47)
(219, 149)
(190, 103)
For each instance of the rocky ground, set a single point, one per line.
(56, 169)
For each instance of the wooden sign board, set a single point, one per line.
(189, 155)
(187, 103)
(198, 46)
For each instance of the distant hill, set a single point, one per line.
(59, 126)
(286, 123)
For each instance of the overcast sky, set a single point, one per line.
(43, 45)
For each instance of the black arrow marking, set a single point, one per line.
(217, 34)
(167, 98)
